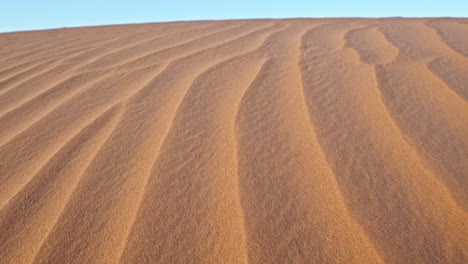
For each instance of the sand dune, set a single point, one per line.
(242, 141)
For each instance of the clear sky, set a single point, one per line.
(18, 15)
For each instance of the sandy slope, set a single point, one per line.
(253, 141)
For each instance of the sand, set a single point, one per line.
(242, 141)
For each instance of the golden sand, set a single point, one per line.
(242, 141)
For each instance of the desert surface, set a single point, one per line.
(237, 141)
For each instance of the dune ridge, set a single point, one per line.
(241, 141)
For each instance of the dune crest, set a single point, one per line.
(237, 141)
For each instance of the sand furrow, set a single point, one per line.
(19, 119)
(38, 47)
(26, 42)
(155, 105)
(33, 54)
(285, 166)
(405, 95)
(16, 69)
(215, 89)
(451, 66)
(363, 146)
(454, 73)
(44, 197)
(369, 46)
(190, 46)
(143, 40)
(56, 75)
(39, 142)
(221, 212)
(55, 54)
(24, 77)
(31, 46)
(63, 54)
(62, 37)
(51, 58)
(410, 89)
(237, 184)
(142, 49)
(446, 64)
(451, 33)
(54, 92)
(97, 40)
(18, 94)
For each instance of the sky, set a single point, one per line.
(19, 15)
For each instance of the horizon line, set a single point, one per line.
(202, 20)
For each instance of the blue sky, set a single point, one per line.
(35, 14)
